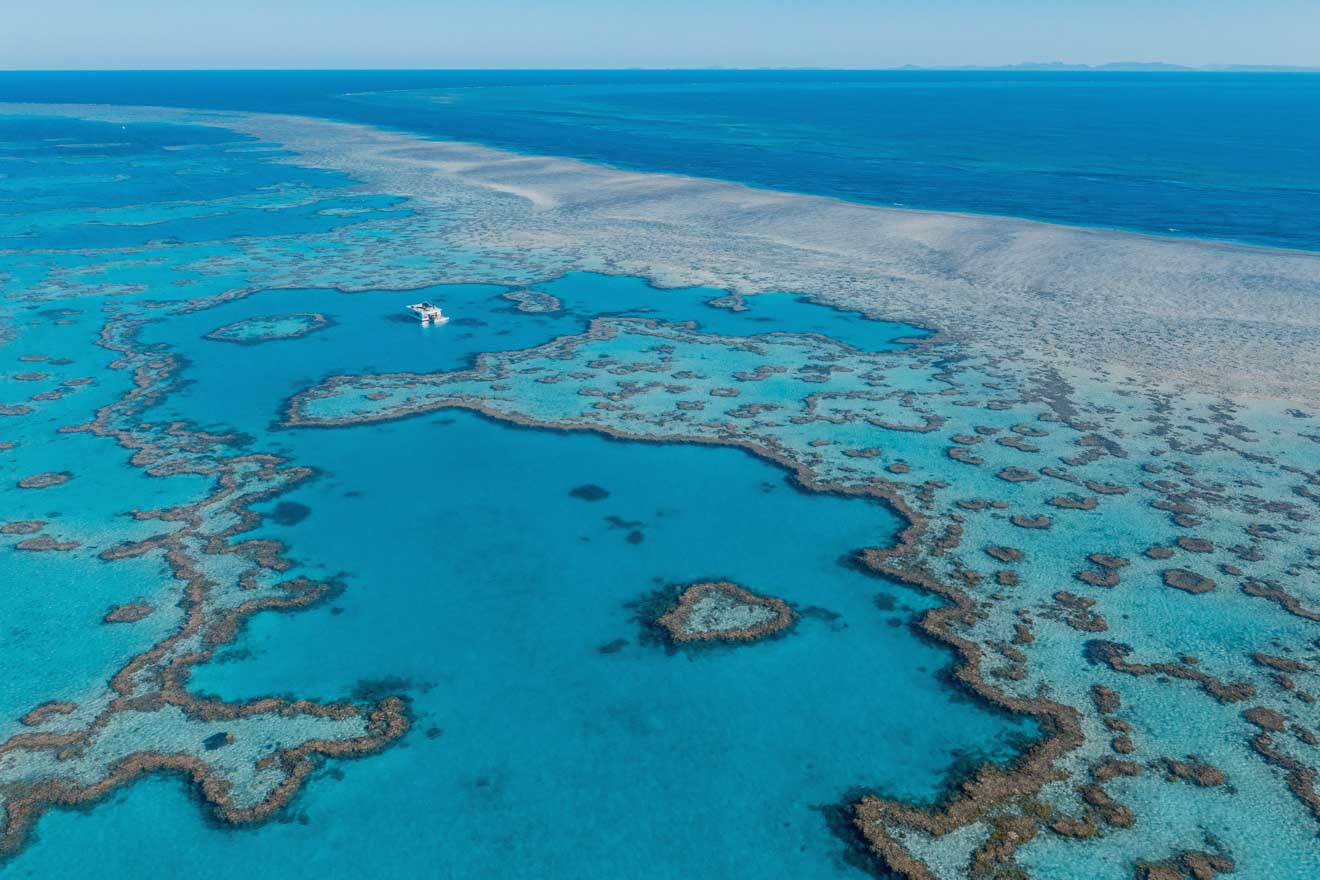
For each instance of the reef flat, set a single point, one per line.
(534, 302)
(1054, 539)
(724, 611)
(147, 570)
(1214, 317)
(145, 720)
(267, 328)
(1103, 457)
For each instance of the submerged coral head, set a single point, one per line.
(724, 611)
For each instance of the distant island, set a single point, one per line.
(1155, 67)
(1064, 66)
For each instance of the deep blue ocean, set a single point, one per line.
(1214, 155)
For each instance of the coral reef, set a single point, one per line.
(724, 611)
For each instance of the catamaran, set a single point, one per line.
(428, 313)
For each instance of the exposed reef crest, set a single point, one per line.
(724, 611)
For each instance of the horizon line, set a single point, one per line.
(1019, 67)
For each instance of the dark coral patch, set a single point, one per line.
(1105, 578)
(290, 513)
(1187, 581)
(958, 453)
(589, 492)
(22, 527)
(1073, 502)
(217, 740)
(1016, 475)
(46, 543)
(130, 613)
(1266, 718)
(1195, 771)
(1004, 554)
(42, 481)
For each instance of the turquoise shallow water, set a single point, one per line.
(244, 386)
(499, 578)
(553, 734)
(475, 575)
(490, 590)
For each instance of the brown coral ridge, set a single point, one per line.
(991, 785)
(1192, 864)
(41, 714)
(293, 413)
(678, 622)
(1265, 589)
(1301, 779)
(157, 678)
(385, 723)
(1114, 655)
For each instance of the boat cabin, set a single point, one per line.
(428, 313)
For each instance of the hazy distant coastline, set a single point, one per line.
(1152, 67)
(1067, 67)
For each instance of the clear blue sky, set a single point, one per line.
(655, 33)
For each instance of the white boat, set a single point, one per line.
(428, 313)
